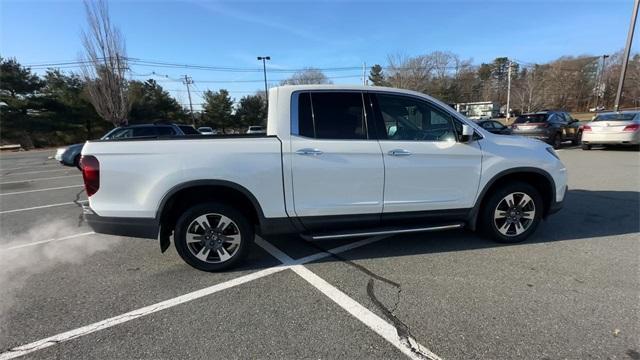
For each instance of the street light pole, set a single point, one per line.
(264, 69)
(600, 84)
(627, 50)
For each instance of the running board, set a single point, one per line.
(387, 231)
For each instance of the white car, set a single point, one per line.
(256, 130)
(612, 128)
(205, 130)
(337, 162)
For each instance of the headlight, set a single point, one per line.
(551, 151)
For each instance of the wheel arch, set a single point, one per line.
(186, 194)
(536, 177)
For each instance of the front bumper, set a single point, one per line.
(557, 205)
(146, 228)
(538, 135)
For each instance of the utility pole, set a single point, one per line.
(264, 69)
(600, 81)
(364, 72)
(508, 91)
(188, 81)
(627, 50)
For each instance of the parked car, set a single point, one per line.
(552, 127)
(494, 127)
(350, 161)
(70, 156)
(612, 128)
(256, 130)
(205, 130)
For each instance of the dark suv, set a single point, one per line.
(552, 127)
(70, 155)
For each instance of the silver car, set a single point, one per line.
(612, 128)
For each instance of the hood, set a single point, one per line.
(519, 141)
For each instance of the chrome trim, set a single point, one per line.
(387, 232)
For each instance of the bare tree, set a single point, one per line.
(307, 76)
(105, 64)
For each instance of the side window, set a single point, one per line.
(332, 115)
(488, 125)
(165, 131)
(121, 134)
(144, 131)
(407, 118)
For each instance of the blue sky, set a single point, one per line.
(321, 34)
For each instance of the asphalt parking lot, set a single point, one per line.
(571, 292)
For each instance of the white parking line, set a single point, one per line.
(41, 207)
(19, 246)
(119, 319)
(364, 315)
(35, 172)
(32, 180)
(29, 167)
(47, 189)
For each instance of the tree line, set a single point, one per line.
(572, 83)
(56, 108)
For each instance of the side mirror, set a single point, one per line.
(467, 133)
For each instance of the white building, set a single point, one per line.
(479, 110)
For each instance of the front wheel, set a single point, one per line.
(586, 147)
(213, 236)
(512, 213)
(556, 141)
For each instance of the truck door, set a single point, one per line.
(337, 167)
(427, 169)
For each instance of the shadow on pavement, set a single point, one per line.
(586, 214)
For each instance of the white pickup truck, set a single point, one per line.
(336, 162)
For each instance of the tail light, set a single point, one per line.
(632, 127)
(586, 128)
(90, 173)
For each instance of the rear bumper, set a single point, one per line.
(538, 135)
(147, 228)
(630, 138)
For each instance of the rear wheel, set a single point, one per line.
(556, 141)
(213, 236)
(586, 147)
(512, 213)
(577, 140)
(76, 162)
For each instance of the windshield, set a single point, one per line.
(616, 117)
(531, 118)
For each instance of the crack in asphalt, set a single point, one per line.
(404, 332)
(77, 202)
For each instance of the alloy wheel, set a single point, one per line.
(213, 238)
(514, 214)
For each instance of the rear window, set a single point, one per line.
(188, 130)
(616, 117)
(331, 115)
(531, 118)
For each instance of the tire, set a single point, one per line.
(577, 140)
(213, 250)
(497, 203)
(556, 141)
(586, 147)
(76, 162)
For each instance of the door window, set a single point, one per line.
(165, 131)
(407, 118)
(143, 131)
(332, 115)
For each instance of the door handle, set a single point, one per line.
(399, 152)
(308, 151)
